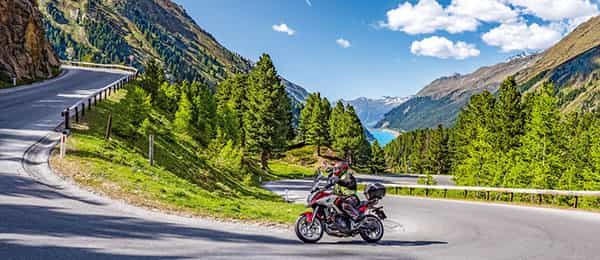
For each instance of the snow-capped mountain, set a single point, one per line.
(372, 110)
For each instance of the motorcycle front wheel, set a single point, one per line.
(308, 232)
(371, 230)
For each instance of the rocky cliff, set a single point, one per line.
(25, 52)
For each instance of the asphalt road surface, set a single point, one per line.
(45, 217)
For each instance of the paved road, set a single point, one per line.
(45, 217)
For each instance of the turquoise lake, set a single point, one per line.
(383, 137)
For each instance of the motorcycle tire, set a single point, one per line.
(303, 221)
(372, 224)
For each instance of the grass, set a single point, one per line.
(182, 180)
(284, 170)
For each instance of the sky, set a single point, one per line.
(350, 48)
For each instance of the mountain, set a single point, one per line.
(371, 110)
(441, 100)
(113, 31)
(26, 54)
(573, 65)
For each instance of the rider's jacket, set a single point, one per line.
(345, 184)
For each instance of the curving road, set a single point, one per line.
(45, 217)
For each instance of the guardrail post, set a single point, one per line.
(108, 127)
(576, 201)
(511, 196)
(396, 190)
(445, 193)
(65, 114)
(410, 191)
(426, 192)
(90, 104)
(487, 195)
(540, 198)
(109, 89)
(77, 114)
(466, 193)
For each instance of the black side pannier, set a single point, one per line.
(375, 191)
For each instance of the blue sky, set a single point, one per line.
(347, 49)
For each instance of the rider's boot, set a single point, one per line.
(356, 221)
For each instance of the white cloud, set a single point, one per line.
(441, 47)
(483, 10)
(426, 16)
(343, 43)
(556, 10)
(520, 36)
(284, 29)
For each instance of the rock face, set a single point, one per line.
(25, 52)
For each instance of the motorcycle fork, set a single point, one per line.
(315, 211)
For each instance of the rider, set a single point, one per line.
(345, 187)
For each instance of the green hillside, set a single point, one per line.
(111, 31)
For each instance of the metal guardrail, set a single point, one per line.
(95, 97)
(487, 190)
(97, 65)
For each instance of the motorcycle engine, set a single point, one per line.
(342, 223)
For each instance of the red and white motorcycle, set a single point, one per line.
(327, 215)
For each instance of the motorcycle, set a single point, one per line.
(328, 217)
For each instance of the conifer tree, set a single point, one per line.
(204, 112)
(229, 98)
(152, 79)
(539, 157)
(508, 117)
(474, 151)
(183, 116)
(268, 114)
(377, 162)
(335, 119)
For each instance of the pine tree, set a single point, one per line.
(539, 157)
(377, 163)
(152, 79)
(314, 121)
(335, 119)
(183, 116)
(204, 112)
(508, 117)
(474, 152)
(306, 116)
(268, 114)
(230, 98)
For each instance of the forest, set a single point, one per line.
(508, 140)
(248, 117)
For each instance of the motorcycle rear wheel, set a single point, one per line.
(308, 232)
(372, 229)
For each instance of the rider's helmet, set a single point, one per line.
(340, 168)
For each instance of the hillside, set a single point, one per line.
(112, 31)
(371, 110)
(573, 65)
(26, 54)
(441, 100)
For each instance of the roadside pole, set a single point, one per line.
(63, 145)
(14, 82)
(151, 149)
